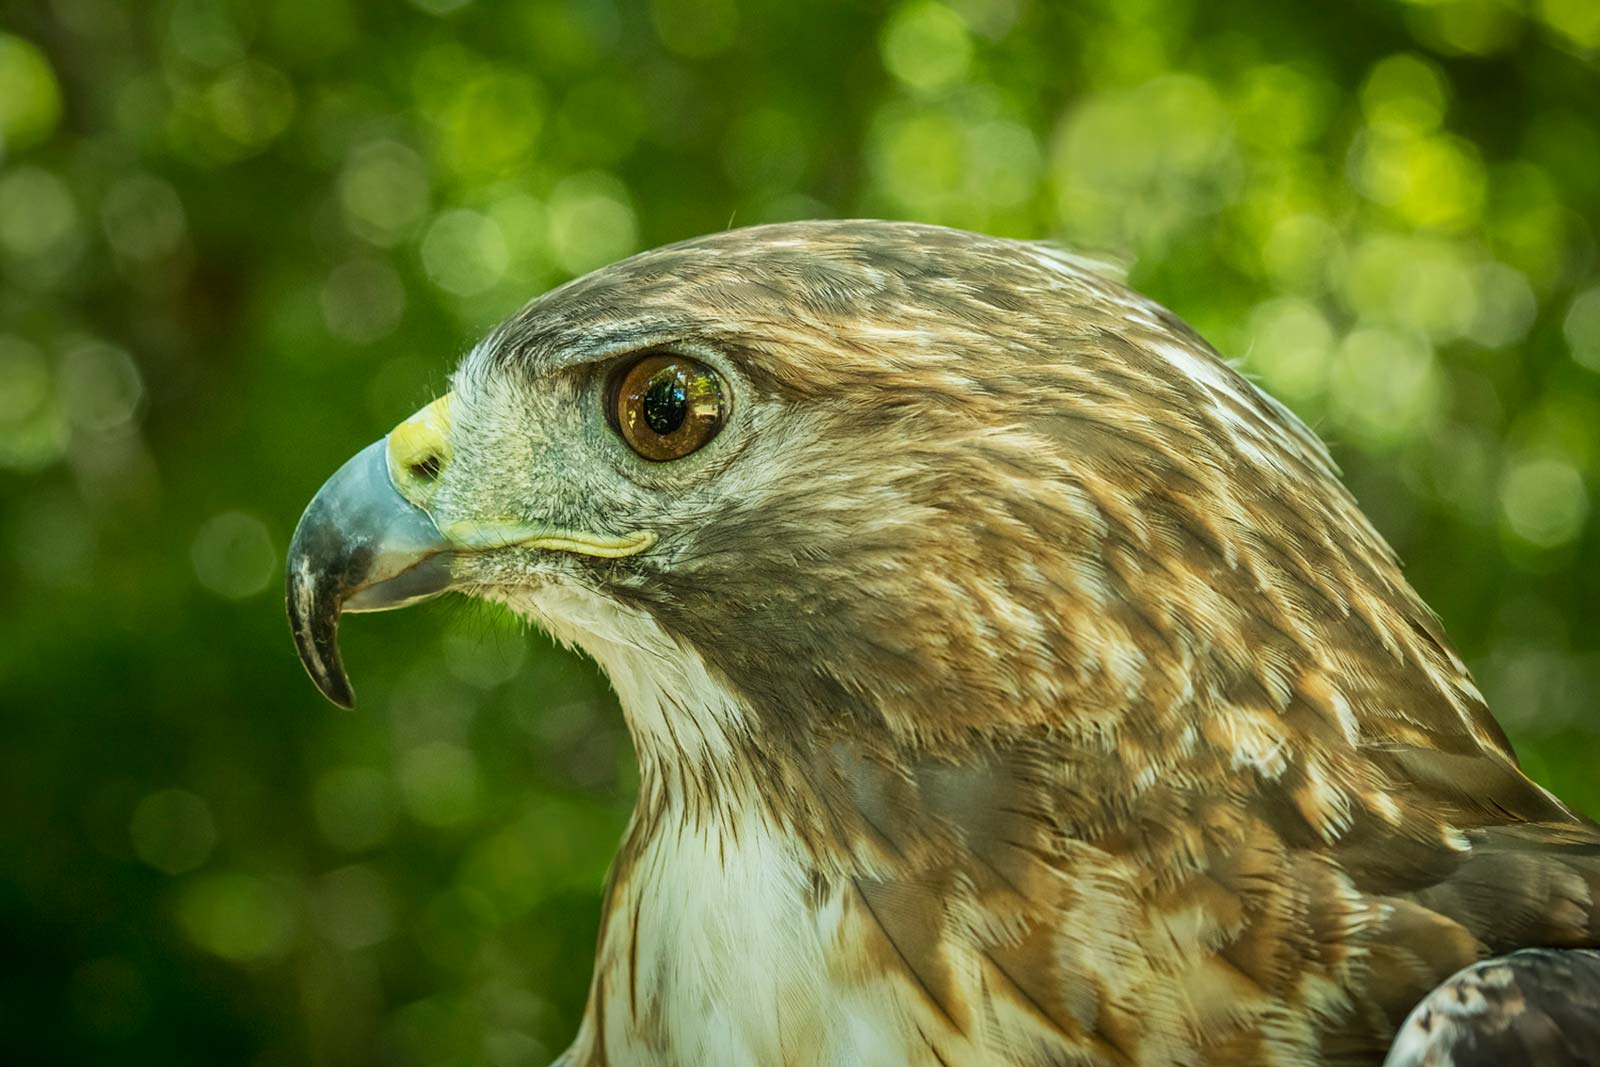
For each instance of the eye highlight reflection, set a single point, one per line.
(667, 405)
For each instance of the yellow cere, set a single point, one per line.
(419, 450)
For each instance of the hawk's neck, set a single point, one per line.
(706, 763)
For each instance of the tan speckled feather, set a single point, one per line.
(1017, 685)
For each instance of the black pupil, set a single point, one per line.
(665, 402)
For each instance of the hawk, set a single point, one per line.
(1012, 682)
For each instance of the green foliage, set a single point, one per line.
(238, 241)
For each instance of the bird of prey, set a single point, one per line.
(1012, 682)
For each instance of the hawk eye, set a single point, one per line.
(667, 405)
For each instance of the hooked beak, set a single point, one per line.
(367, 542)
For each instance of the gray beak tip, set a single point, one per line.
(314, 606)
(360, 546)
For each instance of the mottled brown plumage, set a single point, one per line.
(1012, 682)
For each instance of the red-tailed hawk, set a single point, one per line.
(1012, 682)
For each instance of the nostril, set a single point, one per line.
(419, 451)
(427, 468)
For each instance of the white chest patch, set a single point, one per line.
(727, 950)
(733, 964)
(715, 950)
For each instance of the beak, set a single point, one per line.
(360, 546)
(368, 542)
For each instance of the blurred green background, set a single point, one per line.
(238, 241)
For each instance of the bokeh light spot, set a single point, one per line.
(353, 907)
(1005, 164)
(767, 148)
(696, 29)
(1544, 501)
(600, 121)
(238, 916)
(1577, 20)
(362, 301)
(33, 429)
(1298, 250)
(173, 831)
(1431, 182)
(205, 33)
(1506, 306)
(1290, 343)
(439, 7)
(1470, 27)
(1132, 167)
(591, 222)
(919, 157)
(1384, 386)
(1582, 329)
(1414, 282)
(482, 656)
(490, 123)
(926, 45)
(30, 99)
(523, 222)
(27, 378)
(309, 30)
(353, 807)
(101, 387)
(384, 191)
(464, 252)
(233, 555)
(1281, 106)
(143, 217)
(37, 213)
(510, 869)
(1405, 94)
(439, 784)
(453, 925)
(251, 104)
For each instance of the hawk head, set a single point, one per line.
(1041, 660)
(893, 480)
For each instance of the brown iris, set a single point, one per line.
(667, 405)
